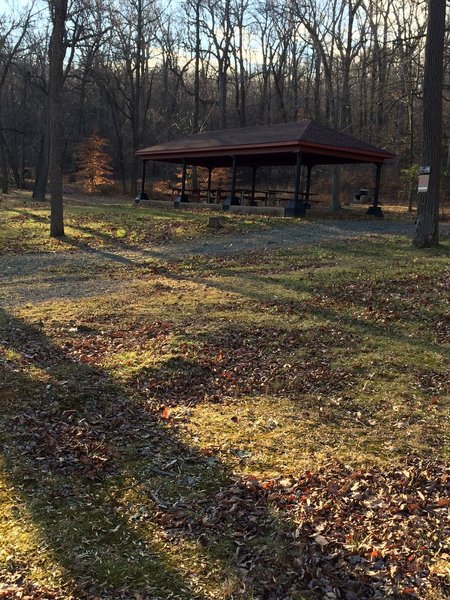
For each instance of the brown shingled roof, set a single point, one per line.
(268, 145)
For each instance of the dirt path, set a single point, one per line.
(32, 278)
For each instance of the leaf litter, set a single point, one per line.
(344, 533)
(336, 533)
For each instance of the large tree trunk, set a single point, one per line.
(4, 170)
(14, 30)
(58, 10)
(242, 78)
(136, 113)
(223, 96)
(427, 233)
(196, 111)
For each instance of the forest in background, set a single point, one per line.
(139, 72)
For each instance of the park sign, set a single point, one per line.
(424, 178)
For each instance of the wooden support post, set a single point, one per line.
(233, 178)
(183, 179)
(208, 193)
(375, 209)
(299, 209)
(377, 185)
(308, 186)
(252, 195)
(230, 200)
(298, 172)
(182, 197)
(308, 179)
(142, 195)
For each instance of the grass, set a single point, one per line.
(126, 414)
(24, 225)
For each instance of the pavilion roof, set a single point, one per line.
(268, 145)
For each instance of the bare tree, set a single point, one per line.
(12, 34)
(219, 25)
(427, 233)
(133, 45)
(58, 12)
(139, 72)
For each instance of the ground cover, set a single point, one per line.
(24, 225)
(267, 426)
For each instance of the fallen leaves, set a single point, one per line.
(31, 591)
(67, 442)
(320, 540)
(241, 361)
(443, 502)
(110, 381)
(345, 533)
(414, 296)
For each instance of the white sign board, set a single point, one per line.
(424, 178)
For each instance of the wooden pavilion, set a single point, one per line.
(304, 143)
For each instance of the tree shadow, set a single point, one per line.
(80, 456)
(108, 239)
(122, 506)
(111, 253)
(253, 287)
(28, 215)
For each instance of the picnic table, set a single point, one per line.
(243, 196)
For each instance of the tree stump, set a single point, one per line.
(215, 222)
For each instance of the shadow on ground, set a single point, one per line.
(124, 509)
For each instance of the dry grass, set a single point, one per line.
(24, 225)
(126, 411)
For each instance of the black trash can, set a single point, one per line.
(230, 201)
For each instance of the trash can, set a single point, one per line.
(230, 201)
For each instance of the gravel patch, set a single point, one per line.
(34, 278)
(301, 234)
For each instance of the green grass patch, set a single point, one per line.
(127, 417)
(24, 225)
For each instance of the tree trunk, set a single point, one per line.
(427, 233)
(196, 112)
(40, 181)
(242, 79)
(137, 109)
(223, 96)
(58, 10)
(411, 152)
(224, 64)
(317, 81)
(13, 163)
(4, 164)
(3, 158)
